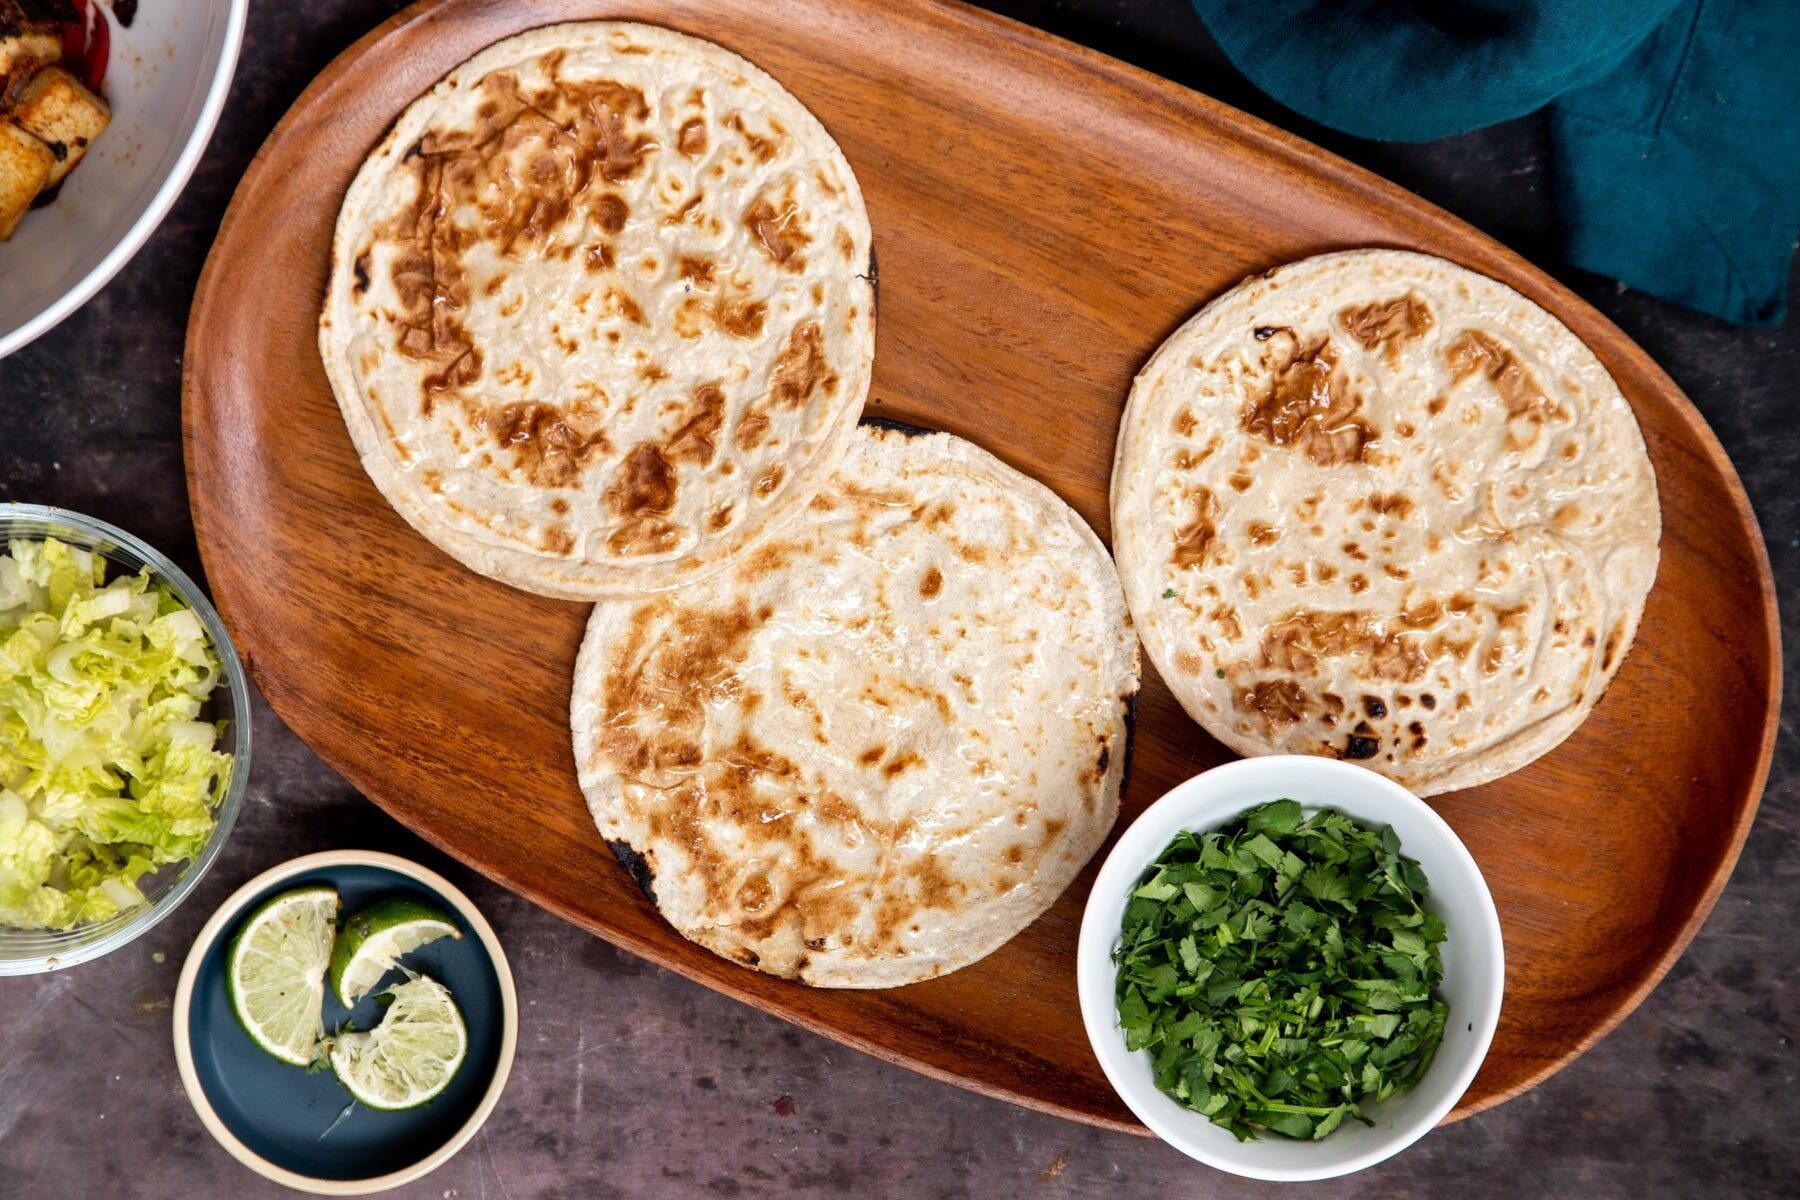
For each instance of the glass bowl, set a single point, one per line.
(30, 951)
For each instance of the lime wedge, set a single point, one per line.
(374, 939)
(275, 972)
(411, 1057)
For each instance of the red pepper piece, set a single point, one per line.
(99, 47)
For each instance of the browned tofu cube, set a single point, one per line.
(28, 48)
(25, 166)
(55, 108)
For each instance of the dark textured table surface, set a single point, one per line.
(633, 1082)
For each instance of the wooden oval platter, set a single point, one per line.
(1044, 217)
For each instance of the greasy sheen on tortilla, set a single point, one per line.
(601, 310)
(1375, 506)
(882, 742)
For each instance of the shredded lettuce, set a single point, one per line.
(107, 771)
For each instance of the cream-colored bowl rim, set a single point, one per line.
(231, 909)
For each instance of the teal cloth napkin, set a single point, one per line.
(1674, 124)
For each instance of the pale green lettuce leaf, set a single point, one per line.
(106, 770)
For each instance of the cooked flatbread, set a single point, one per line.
(882, 742)
(601, 310)
(1375, 506)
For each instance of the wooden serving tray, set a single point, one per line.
(1044, 217)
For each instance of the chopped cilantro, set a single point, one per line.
(1280, 971)
(1168, 593)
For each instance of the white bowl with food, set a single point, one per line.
(1386, 983)
(101, 124)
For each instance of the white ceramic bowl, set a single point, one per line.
(166, 80)
(1474, 963)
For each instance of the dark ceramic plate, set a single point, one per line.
(302, 1129)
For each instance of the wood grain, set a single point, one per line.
(1044, 217)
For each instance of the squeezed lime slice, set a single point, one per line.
(275, 972)
(374, 939)
(411, 1057)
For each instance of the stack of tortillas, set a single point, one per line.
(1376, 506)
(853, 703)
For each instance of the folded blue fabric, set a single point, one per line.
(1675, 124)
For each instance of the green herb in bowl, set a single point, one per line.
(108, 770)
(1281, 971)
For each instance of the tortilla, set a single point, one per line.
(1375, 506)
(601, 310)
(881, 743)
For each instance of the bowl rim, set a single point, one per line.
(126, 248)
(143, 919)
(1099, 932)
(231, 909)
